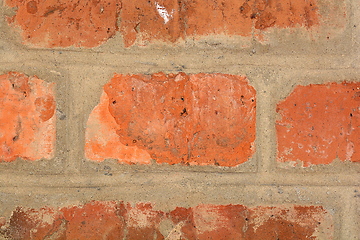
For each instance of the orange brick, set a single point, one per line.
(285, 13)
(202, 119)
(102, 140)
(51, 23)
(89, 24)
(27, 118)
(145, 20)
(319, 123)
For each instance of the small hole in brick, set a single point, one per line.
(114, 102)
(184, 113)
(134, 141)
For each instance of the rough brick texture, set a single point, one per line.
(27, 117)
(116, 220)
(202, 119)
(320, 123)
(66, 22)
(89, 24)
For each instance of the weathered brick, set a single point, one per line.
(27, 117)
(28, 223)
(102, 140)
(202, 119)
(89, 24)
(145, 21)
(319, 123)
(113, 220)
(143, 222)
(208, 221)
(95, 220)
(65, 23)
(289, 222)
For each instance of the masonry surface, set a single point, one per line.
(187, 119)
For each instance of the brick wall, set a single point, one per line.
(189, 119)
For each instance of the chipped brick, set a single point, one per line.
(319, 123)
(113, 220)
(95, 220)
(143, 222)
(292, 222)
(102, 140)
(202, 119)
(28, 223)
(65, 23)
(27, 119)
(90, 24)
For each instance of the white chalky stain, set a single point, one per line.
(164, 13)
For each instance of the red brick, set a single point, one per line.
(319, 123)
(143, 222)
(28, 223)
(89, 24)
(208, 221)
(108, 220)
(65, 23)
(95, 220)
(27, 117)
(293, 222)
(202, 119)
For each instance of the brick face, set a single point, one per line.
(113, 220)
(202, 119)
(319, 123)
(27, 117)
(90, 24)
(65, 23)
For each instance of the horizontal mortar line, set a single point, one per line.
(194, 187)
(178, 50)
(201, 69)
(65, 63)
(191, 55)
(267, 180)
